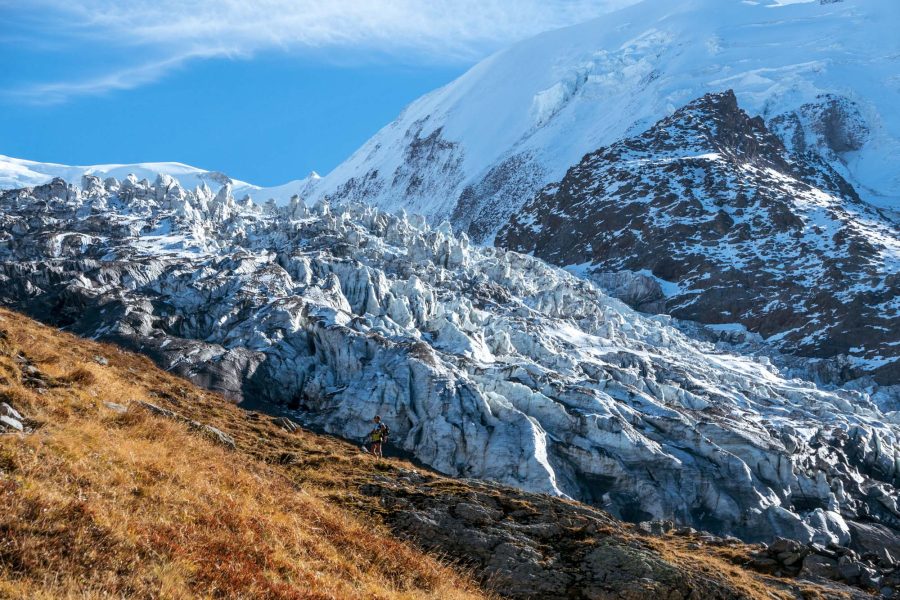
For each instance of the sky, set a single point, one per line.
(263, 90)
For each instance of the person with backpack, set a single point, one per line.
(378, 436)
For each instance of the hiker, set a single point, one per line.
(378, 436)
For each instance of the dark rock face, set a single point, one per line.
(427, 159)
(639, 291)
(826, 130)
(432, 150)
(752, 233)
(483, 207)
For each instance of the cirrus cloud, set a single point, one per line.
(148, 39)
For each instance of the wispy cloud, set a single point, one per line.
(152, 37)
(125, 79)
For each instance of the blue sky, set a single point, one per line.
(265, 91)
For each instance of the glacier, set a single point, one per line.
(486, 363)
(18, 173)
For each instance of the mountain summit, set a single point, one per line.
(476, 150)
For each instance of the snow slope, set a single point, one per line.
(17, 173)
(478, 148)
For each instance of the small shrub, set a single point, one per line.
(79, 376)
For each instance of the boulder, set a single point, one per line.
(870, 578)
(790, 558)
(784, 546)
(873, 537)
(823, 551)
(217, 435)
(10, 423)
(286, 424)
(8, 411)
(849, 569)
(815, 565)
(885, 558)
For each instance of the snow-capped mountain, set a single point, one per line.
(486, 363)
(811, 269)
(18, 173)
(476, 150)
(711, 201)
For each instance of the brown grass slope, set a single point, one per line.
(100, 504)
(97, 503)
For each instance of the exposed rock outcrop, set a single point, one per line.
(526, 546)
(710, 201)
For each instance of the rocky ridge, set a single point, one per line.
(739, 230)
(875, 570)
(487, 363)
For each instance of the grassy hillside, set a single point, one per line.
(98, 503)
(101, 497)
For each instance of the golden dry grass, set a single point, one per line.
(97, 504)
